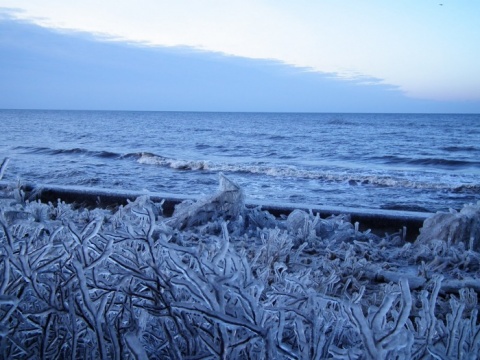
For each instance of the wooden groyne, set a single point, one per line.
(378, 220)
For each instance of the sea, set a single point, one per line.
(415, 162)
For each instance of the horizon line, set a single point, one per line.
(251, 112)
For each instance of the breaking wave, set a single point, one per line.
(282, 171)
(152, 159)
(337, 175)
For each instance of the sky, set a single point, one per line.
(248, 55)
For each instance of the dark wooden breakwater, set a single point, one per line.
(378, 220)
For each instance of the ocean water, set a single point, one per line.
(389, 161)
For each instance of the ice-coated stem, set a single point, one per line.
(6, 276)
(135, 346)
(95, 315)
(3, 167)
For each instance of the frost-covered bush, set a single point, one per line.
(218, 280)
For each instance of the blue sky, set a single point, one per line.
(213, 55)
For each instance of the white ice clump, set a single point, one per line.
(226, 204)
(454, 227)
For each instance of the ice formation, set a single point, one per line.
(227, 204)
(218, 280)
(454, 227)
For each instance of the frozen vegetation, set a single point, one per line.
(218, 280)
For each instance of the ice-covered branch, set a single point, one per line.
(3, 167)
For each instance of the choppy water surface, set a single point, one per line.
(397, 161)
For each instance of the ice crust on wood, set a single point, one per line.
(454, 227)
(227, 204)
(219, 280)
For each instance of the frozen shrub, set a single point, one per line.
(91, 284)
(257, 218)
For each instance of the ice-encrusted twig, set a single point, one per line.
(3, 167)
(426, 322)
(6, 276)
(92, 311)
(135, 346)
(378, 338)
(376, 273)
(454, 285)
